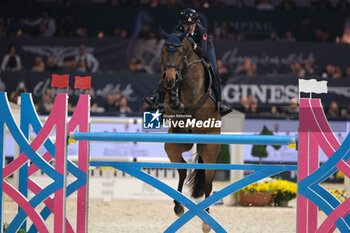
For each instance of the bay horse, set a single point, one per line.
(183, 76)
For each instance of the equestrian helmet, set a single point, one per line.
(189, 16)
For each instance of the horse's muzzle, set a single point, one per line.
(170, 84)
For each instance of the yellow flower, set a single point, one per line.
(339, 175)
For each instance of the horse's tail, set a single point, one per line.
(196, 180)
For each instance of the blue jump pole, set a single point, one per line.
(186, 138)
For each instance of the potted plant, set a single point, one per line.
(340, 176)
(256, 194)
(260, 150)
(284, 191)
(6, 225)
(341, 195)
(267, 191)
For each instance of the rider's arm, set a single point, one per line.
(202, 46)
(202, 41)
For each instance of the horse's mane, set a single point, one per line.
(187, 43)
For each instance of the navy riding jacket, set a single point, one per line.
(199, 36)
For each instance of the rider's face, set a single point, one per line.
(192, 27)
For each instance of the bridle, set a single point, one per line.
(172, 49)
(172, 46)
(181, 68)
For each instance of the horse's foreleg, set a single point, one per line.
(209, 154)
(174, 152)
(178, 208)
(175, 103)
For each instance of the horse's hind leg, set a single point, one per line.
(174, 152)
(209, 153)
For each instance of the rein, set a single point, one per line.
(183, 63)
(179, 71)
(189, 64)
(193, 109)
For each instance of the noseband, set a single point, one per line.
(172, 50)
(181, 68)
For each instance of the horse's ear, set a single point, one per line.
(184, 34)
(165, 35)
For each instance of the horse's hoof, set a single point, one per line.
(179, 210)
(205, 228)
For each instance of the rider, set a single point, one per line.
(203, 47)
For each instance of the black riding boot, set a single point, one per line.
(157, 99)
(222, 107)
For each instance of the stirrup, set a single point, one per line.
(224, 109)
(151, 101)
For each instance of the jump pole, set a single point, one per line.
(186, 138)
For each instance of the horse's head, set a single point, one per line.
(173, 58)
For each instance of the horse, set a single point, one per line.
(183, 76)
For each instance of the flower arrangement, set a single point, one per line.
(281, 190)
(260, 186)
(339, 175)
(6, 225)
(341, 195)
